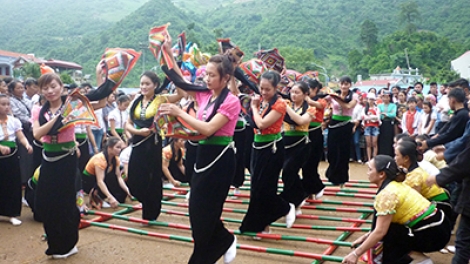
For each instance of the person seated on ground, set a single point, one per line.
(404, 220)
(172, 162)
(424, 164)
(124, 159)
(109, 186)
(406, 158)
(429, 154)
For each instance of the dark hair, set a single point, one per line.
(109, 143)
(403, 137)
(224, 64)
(423, 137)
(345, 79)
(12, 85)
(396, 86)
(314, 84)
(303, 87)
(367, 107)
(429, 116)
(85, 85)
(355, 90)
(433, 83)
(402, 92)
(273, 77)
(123, 98)
(47, 78)
(412, 100)
(8, 80)
(456, 93)
(386, 164)
(178, 154)
(409, 148)
(462, 83)
(29, 82)
(152, 76)
(372, 88)
(420, 83)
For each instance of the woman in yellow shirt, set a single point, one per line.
(406, 156)
(404, 220)
(145, 174)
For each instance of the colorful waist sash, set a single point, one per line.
(293, 133)
(440, 197)
(80, 135)
(10, 144)
(267, 138)
(341, 118)
(421, 215)
(58, 147)
(315, 124)
(217, 140)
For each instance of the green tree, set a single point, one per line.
(30, 69)
(369, 33)
(409, 14)
(65, 78)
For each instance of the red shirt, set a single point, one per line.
(280, 107)
(318, 112)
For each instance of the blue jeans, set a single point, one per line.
(462, 241)
(98, 133)
(357, 147)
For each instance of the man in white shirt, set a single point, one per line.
(443, 108)
(31, 94)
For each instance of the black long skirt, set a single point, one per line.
(112, 183)
(339, 143)
(190, 159)
(397, 243)
(249, 137)
(83, 182)
(55, 202)
(387, 132)
(311, 178)
(10, 184)
(266, 206)
(209, 190)
(145, 175)
(176, 172)
(239, 137)
(26, 160)
(296, 156)
(37, 154)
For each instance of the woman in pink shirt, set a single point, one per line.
(214, 169)
(340, 132)
(55, 193)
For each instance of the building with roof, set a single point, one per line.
(399, 77)
(10, 60)
(462, 65)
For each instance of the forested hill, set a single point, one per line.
(131, 32)
(329, 26)
(323, 31)
(35, 26)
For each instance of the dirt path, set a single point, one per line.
(99, 245)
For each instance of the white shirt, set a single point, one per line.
(424, 119)
(429, 167)
(119, 117)
(443, 108)
(125, 155)
(13, 125)
(99, 116)
(357, 112)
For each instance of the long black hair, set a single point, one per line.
(409, 148)
(109, 143)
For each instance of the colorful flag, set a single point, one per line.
(171, 126)
(253, 68)
(118, 63)
(77, 110)
(272, 59)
